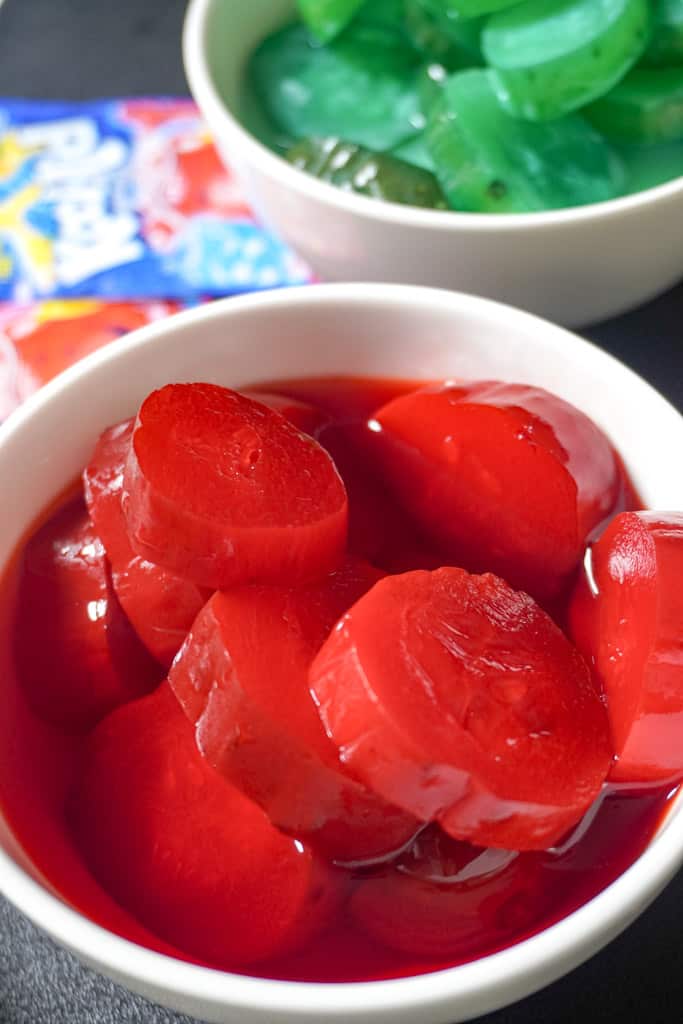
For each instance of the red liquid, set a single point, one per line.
(38, 764)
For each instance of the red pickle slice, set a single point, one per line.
(184, 851)
(222, 490)
(506, 477)
(459, 699)
(626, 616)
(77, 656)
(160, 605)
(242, 680)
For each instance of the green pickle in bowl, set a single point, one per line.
(486, 160)
(380, 175)
(554, 56)
(360, 88)
(479, 107)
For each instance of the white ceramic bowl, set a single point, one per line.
(341, 329)
(572, 266)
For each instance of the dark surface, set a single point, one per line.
(79, 49)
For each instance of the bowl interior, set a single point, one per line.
(363, 330)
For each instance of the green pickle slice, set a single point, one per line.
(326, 18)
(646, 106)
(377, 175)
(554, 56)
(487, 161)
(360, 87)
(666, 47)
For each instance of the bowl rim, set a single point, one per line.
(479, 986)
(204, 90)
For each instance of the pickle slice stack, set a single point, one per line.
(509, 105)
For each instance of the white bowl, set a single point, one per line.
(573, 266)
(371, 330)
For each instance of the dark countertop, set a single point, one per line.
(79, 49)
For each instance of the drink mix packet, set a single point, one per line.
(125, 199)
(40, 340)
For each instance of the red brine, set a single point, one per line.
(215, 820)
